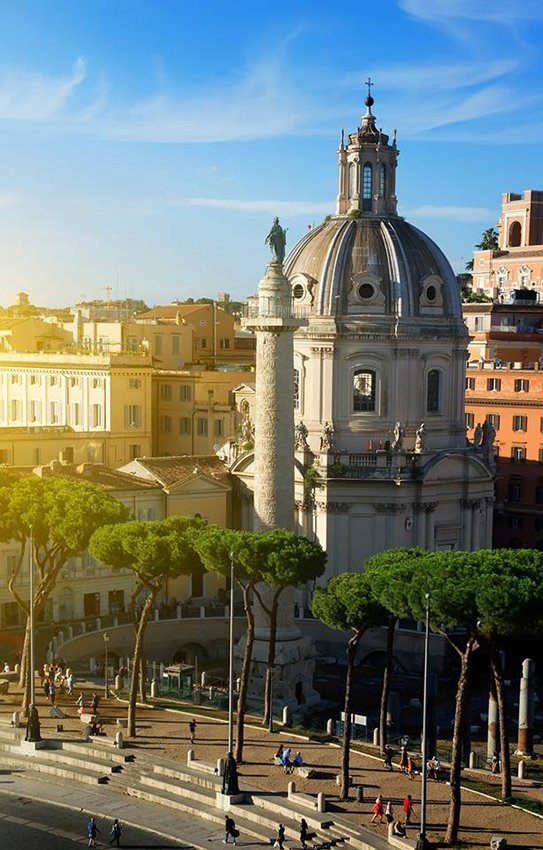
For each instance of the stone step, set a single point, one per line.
(78, 759)
(166, 767)
(358, 837)
(90, 751)
(40, 765)
(287, 806)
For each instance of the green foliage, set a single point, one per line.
(391, 574)
(347, 602)
(489, 240)
(354, 214)
(216, 546)
(155, 549)
(311, 476)
(62, 513)
(337, 469)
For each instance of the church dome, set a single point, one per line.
(372, 265)
(366, 260)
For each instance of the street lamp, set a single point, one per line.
(422, 843)
(33, 732)
(230, 778)
(106, 682)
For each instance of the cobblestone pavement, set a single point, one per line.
(166, 733)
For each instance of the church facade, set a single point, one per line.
(380, 456)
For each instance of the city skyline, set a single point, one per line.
(149, 152)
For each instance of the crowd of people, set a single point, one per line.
(56, 678)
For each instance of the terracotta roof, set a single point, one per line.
(175, 470)
(93, 473)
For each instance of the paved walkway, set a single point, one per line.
(166, 733)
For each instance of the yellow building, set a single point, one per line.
(193, 411)
(88, 408)
(216, 337)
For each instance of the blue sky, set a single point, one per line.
(147, 144)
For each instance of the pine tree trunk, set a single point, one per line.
(268, 695)
(352, 646)
(245, 674)
(136, 660)
(25, 672)
(460, 720)
(387, 678)
(505, 755)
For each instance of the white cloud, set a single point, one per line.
(503, 11)
(32, 96)
(275, 207)
(453, 213)
(449, 76)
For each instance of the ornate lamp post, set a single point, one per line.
(422, 842)
(106, 680)
(230, 779)
(33, 732)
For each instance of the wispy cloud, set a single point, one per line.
(503, 12)
(453, 213)
(33, 96)
(275, 207)
(432, 77)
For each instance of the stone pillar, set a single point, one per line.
(430, 525)
(492, 740)
(526, 709)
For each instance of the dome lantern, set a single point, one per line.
(367, 168)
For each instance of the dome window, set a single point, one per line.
(433, 387)
(298, 291)
(367, 180)
(364, 391)
(366, 291)
(431, 293)
(383, 180)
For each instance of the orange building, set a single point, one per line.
(510, 397)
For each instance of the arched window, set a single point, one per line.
(296, 389)
(364, 383)
(383, 180)
(515, 234)
(367, 181)
(352, 180)
(432, 391)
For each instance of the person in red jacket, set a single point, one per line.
(408, 809)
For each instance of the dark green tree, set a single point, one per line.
(510, 604)
(347, 604)
(155, 551)
(377, 568)
(60, 515)
(218, 548)
(286, 560)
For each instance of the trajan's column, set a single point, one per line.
(272, 320)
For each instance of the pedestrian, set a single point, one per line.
(399, 829)
(52, 693)
(411, 767)
(378, 809)
(70, 681)
(304, 831)
(387, 761)
(496, 764)
(280, 837)
(115, 833)
(298, 761)
(192, 730)
(389, 812)
(403, 759)
(229, 829)
(45, 687)
(92, 829)
(95, 701)
(408, 809)
(285, 758)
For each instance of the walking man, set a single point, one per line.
(280, 836)
(115, 833)
(229, 829)
(192, 730)
(408, 809)
(92, 829)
